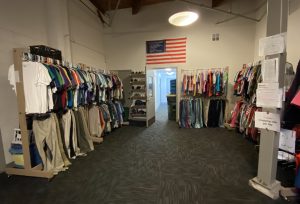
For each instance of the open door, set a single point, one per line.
(150, 78)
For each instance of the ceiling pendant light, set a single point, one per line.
(184, 18)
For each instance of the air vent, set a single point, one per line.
(215, 37)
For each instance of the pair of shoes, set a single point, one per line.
(138, 87)
(139, 103)
(137, 72)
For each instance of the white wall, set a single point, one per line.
(260, 32)
(86, 35)
(34, 22)
(125, 41)
(17, 29)
(293, 40)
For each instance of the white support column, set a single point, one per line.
(265, 181)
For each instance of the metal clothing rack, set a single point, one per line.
(28, 170)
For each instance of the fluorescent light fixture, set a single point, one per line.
(168, 69)
(184, 18)
(170, 73)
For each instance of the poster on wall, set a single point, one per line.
(166, 51)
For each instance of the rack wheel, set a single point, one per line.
(8, 175)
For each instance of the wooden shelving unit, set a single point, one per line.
(138, 80)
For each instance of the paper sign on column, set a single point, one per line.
(287, 142)
(270, 70)
(269, 95)
(269, 121)
(272, 45)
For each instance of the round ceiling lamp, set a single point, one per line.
(184, 18)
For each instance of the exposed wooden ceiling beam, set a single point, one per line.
(216, 3)
(136, 6)
(99, 6)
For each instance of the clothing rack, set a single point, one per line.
(89, 68)
(28, 170)
(210, 69)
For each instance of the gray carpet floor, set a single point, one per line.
(160, 164)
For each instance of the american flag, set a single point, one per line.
(167, 51)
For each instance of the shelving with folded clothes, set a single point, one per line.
(203, 98)
(69, 108)
(138, 108)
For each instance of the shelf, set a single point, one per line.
(138, 82)
(138, 90)
(138, 98)
(138, 119)
(139, 107)
(139, 115)
(138, 75)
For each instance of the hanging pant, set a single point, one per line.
(47, 144)
(75, 135)
(94, 122)
(82, 138)
(84, 123)
(66, 124)
(60, 143)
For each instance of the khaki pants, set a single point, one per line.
(94, 122)
(46, 137)
(61, 148)
(83, 114)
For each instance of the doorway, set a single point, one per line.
(165, 94)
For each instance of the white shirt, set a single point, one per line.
(11, 77)
(35, 80)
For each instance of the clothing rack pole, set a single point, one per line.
(28, 170)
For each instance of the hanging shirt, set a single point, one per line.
(35, 80)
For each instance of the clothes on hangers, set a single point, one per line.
(246, 82)
(201, 112)
(291, 114)
(68, 106)
(205, 83)
(243, 118)
(50, 87)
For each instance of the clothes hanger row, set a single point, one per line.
(37, 58)
(192, 71)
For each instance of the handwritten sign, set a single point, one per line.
(268, 121)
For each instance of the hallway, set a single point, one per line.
(159, 164)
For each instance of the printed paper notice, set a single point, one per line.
(287, 142)
(275, 44)
(269, 95)
(268, 121)
(270, 70)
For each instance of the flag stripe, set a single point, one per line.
(165, 55)
(175, 39)
(176, 43)
(158, 59)
(172, 47)
(167, 62)
(181, 50)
